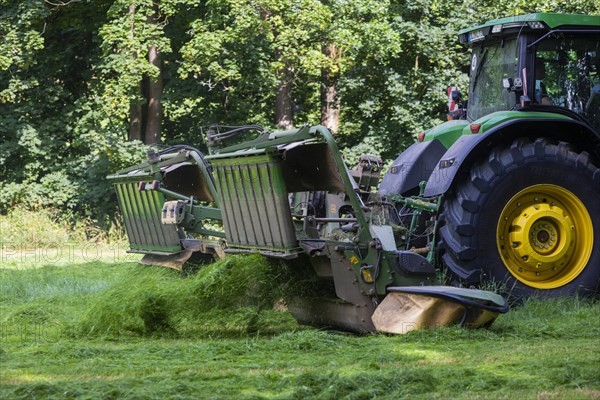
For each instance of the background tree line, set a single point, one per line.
(85, 83)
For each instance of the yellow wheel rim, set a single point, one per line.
(545, 236)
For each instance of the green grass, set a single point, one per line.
(46, 229)
(81, 327)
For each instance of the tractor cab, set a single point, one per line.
(540, 59)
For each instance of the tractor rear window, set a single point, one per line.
(567, 74)
(488, 68)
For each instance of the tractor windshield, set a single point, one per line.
(488, 68)
(567, 74)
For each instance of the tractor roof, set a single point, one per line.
(537, 21)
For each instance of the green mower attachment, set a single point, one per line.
(289, 196)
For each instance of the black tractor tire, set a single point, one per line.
(492, 222)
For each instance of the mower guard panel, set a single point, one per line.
(408, 308)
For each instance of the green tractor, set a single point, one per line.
(505, 193)
(520, 172)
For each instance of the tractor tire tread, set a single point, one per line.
(458, 247)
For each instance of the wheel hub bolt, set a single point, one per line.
(543, 236)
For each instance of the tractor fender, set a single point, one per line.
(469, 148)
(411, 167)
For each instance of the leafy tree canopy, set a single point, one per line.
(80, 79)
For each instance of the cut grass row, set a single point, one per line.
(98, 329)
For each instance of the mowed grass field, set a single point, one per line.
(94, 324)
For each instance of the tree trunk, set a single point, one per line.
(330, 105)
(135, 121)
(283, 101)
(155, 88)
(135, 108)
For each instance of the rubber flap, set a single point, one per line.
(474, 297)
(410, 308)
(401, 313)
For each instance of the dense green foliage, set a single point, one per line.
(72, 73)
(93, 324)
